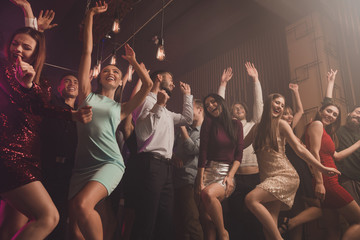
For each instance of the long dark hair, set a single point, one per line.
(267, 130)
(332, 128)
(38, 57)
(224, 118)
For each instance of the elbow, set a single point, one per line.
(148, 84)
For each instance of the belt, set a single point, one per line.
(156, 156)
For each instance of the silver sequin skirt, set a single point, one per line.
(215, 172)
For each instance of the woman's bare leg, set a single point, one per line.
(11, 220)
(211, 197)
(351, 213)
(33, 201)
(83, 209)
(255, 201)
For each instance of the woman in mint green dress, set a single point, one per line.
(99, 165)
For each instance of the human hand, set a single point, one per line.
(44, 20)
(162, 98)
(83, 115)
(330, 171)
(331, 75)
(25, 73)
(21, 3)
(99, 8)
(129, 54)
(227, 75)
(294, 87)
(230, 186)
(320, 191)
(185, 88)
(251, 70)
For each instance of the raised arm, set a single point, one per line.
(258, 98)
(298, 104)
(225, 77)
(186, 117)
(85, 62)
(30, 20)
(145, 88)
(331, 82)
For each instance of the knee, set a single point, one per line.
(78, 207)
(50, 218)
(206, 197)
(249, 201)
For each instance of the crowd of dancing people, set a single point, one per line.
(77, 163)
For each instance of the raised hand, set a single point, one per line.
(227, 75)
(100, 7)
(129, 54)
(25, 73)
(251, 70)
(294, 87)
(185, 88)
(162, 98)
(45, 19)
(20, 3)
(331, 75)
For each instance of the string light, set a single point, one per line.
(116, 26)
(160, 54)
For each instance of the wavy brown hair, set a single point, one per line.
(268, 128)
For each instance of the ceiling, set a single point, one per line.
(194, 30)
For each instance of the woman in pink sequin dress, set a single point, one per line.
(22, 105)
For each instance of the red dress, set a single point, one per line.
(21, 112)
(336, 196)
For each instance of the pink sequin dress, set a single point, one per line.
(21, 112)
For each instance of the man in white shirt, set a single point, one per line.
(155, 138)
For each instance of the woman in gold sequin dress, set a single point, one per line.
(279, 180)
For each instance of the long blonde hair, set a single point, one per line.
(268, 128)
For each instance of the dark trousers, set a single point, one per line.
(241, 223)
(154, 208)
(186, 214)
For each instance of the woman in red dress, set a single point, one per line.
(335, 199)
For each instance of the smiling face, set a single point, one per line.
(277, 107)
(288, 115)
(68, 87)
(238, 111)
(329, 115)
(212, 107)
(353, 118)
(23, 46)
(110, 77)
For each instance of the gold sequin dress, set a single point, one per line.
(277, 175)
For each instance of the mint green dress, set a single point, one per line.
(98, 156)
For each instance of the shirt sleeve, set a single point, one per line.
(149, 117)
(31, 22)
(240, 142)
(192, 144)
(221, 91)
(204, 141)
(258, 102)
(186, 117)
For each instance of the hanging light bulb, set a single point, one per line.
(113, 60)
(96, 69)
(130, 71)
(116, 26)
(160, 54)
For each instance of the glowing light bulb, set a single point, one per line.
(116, 26)
(160, 55)
(113, 60)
